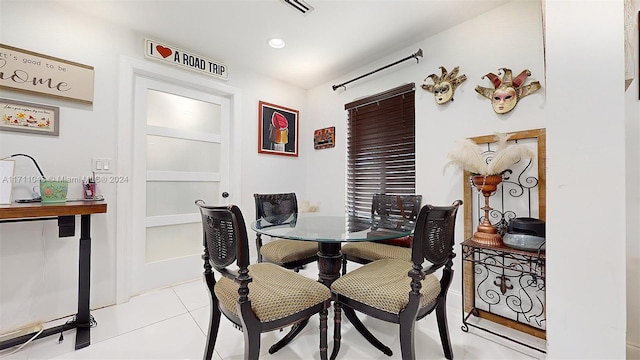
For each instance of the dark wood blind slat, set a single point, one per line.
(380, 148)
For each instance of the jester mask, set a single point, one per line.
(507, 91)
(445, 85)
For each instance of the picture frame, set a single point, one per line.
(324, 138)
(277, 129)
(28, 117)
(51, 76)
(7, 168)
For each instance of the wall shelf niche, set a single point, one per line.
(503, 285)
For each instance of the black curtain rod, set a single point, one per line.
(416, 55)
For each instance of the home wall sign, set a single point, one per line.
(186, 59)
(25, 70)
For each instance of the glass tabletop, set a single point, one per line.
(323, 228)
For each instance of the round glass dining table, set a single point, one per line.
(329, 232)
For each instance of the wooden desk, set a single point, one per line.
(65, 213)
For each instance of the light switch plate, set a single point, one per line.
(101, 165)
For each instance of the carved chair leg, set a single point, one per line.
(258, 246)
(214, 325)
(323, 333)
(353, 318)
(443, 327)
(295, 330)
(337, 320)
(407, 345)
(215, 314)
(251, 343)
(441, 311)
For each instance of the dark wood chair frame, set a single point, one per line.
(433, 241)
(229, 238)
(389, 212)
(261, 214)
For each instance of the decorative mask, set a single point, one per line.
(445, 85)
(506, 92)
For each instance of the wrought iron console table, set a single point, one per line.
(508, 288)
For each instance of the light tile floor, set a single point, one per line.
(171, 323)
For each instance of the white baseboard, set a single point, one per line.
(454, 301)
(25, 330)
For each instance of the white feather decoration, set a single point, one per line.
(501, 141)
(467, 155)
(508, 156)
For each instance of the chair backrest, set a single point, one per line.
(434, 235)
(224, 235)
(276, 209)
(395, 212)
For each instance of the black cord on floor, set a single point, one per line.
(92, 323)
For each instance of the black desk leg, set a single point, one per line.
(83, 321)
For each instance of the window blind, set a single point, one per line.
(380, 149)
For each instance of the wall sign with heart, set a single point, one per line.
(164, 51)
(175, 56)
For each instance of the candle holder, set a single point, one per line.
(487, 234)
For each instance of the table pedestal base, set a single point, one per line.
(329, 262)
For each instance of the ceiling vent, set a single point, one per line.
(299, 5)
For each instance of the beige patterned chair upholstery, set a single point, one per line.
(390, 212)
(278, 209)
(256, 298)
(402, 292)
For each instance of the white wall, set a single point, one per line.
(38, 271)
(586, 267)
(581, 105)
(632, 142)
(471, 46)
(585, 124)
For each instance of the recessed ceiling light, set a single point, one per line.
(276, 43)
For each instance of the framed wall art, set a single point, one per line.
(277, 129)
(48, 75)
(324, 138)
(28, 117)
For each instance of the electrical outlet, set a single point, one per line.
(101, 165)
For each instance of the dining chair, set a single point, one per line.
(402, 292)
(388, 212)
(256, 298)
(279, 209)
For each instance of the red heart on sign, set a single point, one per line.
(164, 51)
